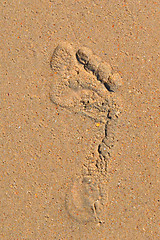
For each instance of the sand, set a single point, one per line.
(78, 160)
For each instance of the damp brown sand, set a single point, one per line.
(43, 145)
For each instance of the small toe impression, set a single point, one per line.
(114, 82)
(104, 72)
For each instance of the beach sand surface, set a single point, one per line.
(45, 148)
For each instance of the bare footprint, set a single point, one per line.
(86, 85)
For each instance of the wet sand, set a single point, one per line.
(52, 184)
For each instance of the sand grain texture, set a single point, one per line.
(51, 147)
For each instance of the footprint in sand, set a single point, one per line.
(85, 85)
